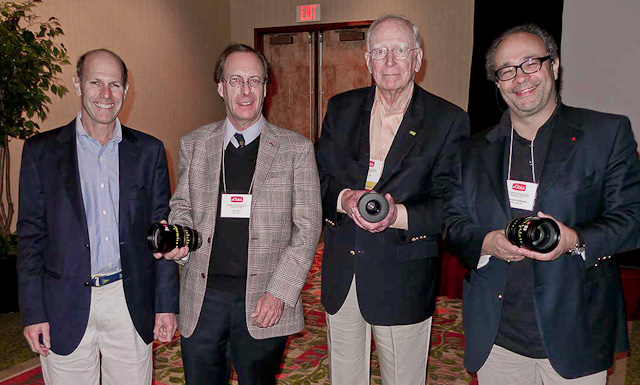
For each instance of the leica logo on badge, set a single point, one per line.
(236, 199)
(519, 187)
(371, 163)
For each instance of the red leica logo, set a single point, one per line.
(237, 199)
(519, 187)
(371, 163)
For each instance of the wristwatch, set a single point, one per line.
(579, 248)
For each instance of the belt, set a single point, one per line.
(102, 280)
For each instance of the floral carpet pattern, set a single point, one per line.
(306, 360)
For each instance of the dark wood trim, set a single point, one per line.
(259, 32)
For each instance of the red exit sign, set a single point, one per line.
(306, 13)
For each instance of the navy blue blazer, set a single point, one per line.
(53, 240)
(396, 270)
(591, 182)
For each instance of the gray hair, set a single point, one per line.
(402, 19)
(547, 40)
(218, 73)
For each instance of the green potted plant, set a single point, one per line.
(30, 62)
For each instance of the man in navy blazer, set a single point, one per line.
(380, 278)
(89, 287)
(555, 317)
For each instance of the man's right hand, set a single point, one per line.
(32, 334)
(173, 254)
(497, 245)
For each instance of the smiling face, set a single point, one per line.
(102, 90)
(390, 74)
(527, 95)
(243, 104)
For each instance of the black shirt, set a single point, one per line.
(519, 331)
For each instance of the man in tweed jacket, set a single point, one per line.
(240, 291)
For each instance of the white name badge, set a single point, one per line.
(522, 195)
(235, 206)
(375, 172)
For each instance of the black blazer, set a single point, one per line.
(396, 270)
(53, 239)
(590, 181)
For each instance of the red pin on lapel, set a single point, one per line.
(573, 139)
(271, 143)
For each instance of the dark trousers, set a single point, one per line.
(221, 337)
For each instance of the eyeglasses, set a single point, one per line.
(528, 67)
(238, 82)
(399, 53)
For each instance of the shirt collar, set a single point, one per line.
(81, 133)
(401, 103)
(505, 124)
(249, 134)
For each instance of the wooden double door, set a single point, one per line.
(310, 64)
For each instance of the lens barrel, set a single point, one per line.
(162, 238)
(533, 233)
(373, 207)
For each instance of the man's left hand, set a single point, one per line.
(165, 327)
(268, 311)
(568, 239)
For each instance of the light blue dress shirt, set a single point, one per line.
(99, 178)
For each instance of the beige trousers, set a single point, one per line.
(504, 367)
(111, 338)
(402, 349)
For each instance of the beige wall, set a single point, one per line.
(169, 47)
(445, 25)
(600, 56)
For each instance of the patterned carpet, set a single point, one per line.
(306, 355)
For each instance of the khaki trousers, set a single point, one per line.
(110, 333)
(402, 349)
(504, 367)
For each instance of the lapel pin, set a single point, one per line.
(413, 133)
(271, 143)
(573, 139)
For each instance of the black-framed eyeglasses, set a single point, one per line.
(528, 66)
(399, 53)
(237, 82)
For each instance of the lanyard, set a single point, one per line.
(533, 167)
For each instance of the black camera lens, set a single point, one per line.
(533, 233)
(162, 238)
(373, 207)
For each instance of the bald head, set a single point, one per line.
(101, 52)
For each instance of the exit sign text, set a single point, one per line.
(306, 13)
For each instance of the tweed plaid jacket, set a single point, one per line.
(284, 227)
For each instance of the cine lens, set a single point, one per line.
(163, 237)
(533, 233)
(373, 207)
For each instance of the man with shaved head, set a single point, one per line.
(397, 139)
(92, 296)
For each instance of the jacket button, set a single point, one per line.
(202, 275)
(352, 252)
(86, 245)
(499, 296)
(209, 240)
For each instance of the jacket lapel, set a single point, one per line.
(67, 165)
(214, 143)
(494, 159)
(561, 150)
(269, 145)
(128, 168)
